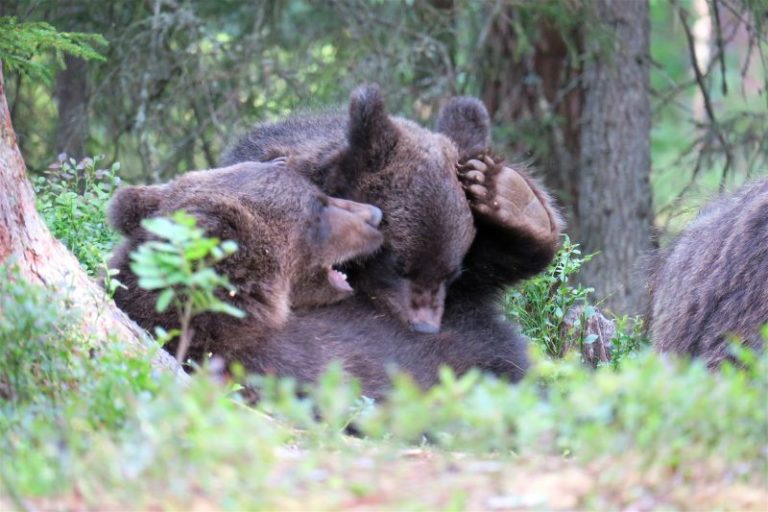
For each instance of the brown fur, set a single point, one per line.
(440, 241)
(288, 232)
(711, 284)
(407, 171)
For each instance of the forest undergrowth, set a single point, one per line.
(85, 426)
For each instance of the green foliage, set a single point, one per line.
(630, 339)
(73, 410)
(37, 341)
(100, 427)
(181, 265)
(20, 43)
(541, 303)
(44, 357)
(681, 140)
(669, 413)
(336, 399)
(553, 313)
(72, 198)
(181, 82)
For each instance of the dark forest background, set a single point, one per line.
(634, 113)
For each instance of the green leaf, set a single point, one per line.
(152, 283)
(229, 246)
(199, 249)
(21, 42)
(227, 309)
(163, 228)
(172, 260)
(164, 300)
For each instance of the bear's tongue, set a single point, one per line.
(338, 280)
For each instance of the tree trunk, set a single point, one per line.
(26, 241)
(72, 98)
(588, 130)
(536, 92)
(615, 212)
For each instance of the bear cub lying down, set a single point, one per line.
(459, 228)
(450, 234)
(289, 234)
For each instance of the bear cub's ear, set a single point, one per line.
(372, 134)
(130, 205)
(465, 120)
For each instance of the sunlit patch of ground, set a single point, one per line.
(373, 478)
(425, 479)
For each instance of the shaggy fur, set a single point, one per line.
(407, 171)
(288, 232)
(453, 242)
(712, 283)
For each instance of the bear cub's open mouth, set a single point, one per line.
(338, 279)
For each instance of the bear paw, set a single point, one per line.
(500, 195)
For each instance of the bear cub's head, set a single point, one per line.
(290, 237)
(410, 173)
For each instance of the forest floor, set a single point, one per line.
(370, 477)
(432, 480)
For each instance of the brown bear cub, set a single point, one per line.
(711, 284)
(289, 234)
(407, 171)
(411, 174)
(459, 229)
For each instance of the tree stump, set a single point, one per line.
(596, 330)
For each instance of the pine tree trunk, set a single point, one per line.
(614, 188)
(72, 98)
(26, 241)
(549, 102)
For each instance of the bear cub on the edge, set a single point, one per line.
(711, 284)
(289, 236)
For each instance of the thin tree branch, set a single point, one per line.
(719, 43)
(705, 95)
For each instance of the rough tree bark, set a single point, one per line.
(26, 241)
(539, 89)
(615, 208)
(593, 117)
(72, 98)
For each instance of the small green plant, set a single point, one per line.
(554, 314)
(666, 412)
(630, 339)
(180, 267)
(72, 197)
(541, 304)
(44, 356)
(76, 412)
(110, 281)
